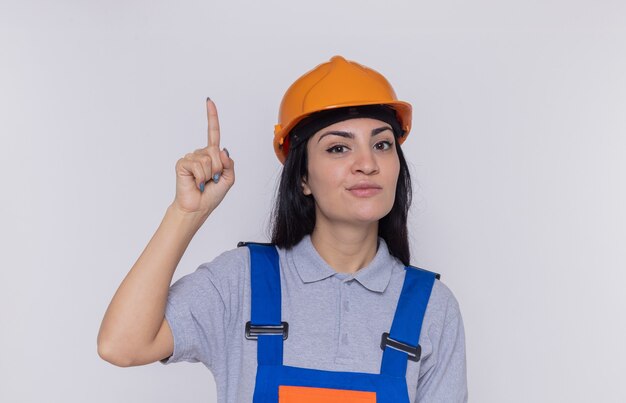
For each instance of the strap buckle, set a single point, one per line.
(414, 353)
(254, 331)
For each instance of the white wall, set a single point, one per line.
(517, 154)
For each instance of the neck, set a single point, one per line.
(346, 248)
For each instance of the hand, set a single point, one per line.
(204, 177)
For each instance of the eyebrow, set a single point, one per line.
(350, 135)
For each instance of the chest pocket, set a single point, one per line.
(301, 394)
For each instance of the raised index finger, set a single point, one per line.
(214, 124)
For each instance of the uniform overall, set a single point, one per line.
(278, 383)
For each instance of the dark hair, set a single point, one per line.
(293, 216)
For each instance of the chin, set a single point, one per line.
(355, 213)
(370, 216)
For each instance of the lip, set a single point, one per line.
(365, 189)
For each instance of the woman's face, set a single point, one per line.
(353, 170)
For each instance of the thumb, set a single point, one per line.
(228, 164)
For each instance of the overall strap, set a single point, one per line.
(265, 304)
(407, 322)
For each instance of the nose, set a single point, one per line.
(365, 162)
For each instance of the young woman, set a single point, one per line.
(330, 311)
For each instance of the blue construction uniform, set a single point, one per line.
(275, 381)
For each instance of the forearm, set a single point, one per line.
(136, 311)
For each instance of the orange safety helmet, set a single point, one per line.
(335, 84)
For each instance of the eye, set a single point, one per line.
(383, 145)
(337, 149)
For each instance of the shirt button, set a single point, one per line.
(344, 338)
(346, 306)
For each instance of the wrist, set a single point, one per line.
(186, 218)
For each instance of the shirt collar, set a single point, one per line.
(312, 267)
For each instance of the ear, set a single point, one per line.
(305, 187)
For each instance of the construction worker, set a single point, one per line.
(330, 310)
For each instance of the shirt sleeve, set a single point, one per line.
(444, 378)
(199, 309)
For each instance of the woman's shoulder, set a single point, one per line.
(230, 264)
(233, 263)
(226, 271)
(443, 306)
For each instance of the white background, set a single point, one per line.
(517, 154)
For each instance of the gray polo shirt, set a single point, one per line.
(335, 322)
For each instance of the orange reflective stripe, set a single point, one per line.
(302, 394)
